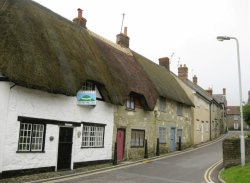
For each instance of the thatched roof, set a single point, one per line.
(41, 50)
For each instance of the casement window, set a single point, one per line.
(180, 109)
(162, 104)
(88, 86)
(236, 117)
(137, 138)
(31, 137)
(93, 135)
(162, 135)
(130, 104)
(136, 100)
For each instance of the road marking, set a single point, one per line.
(117, 167)
(209, 171)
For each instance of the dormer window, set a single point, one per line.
(136, 100)
(87, 94)
(162, 104)
(130, 104)
(88, 86)
(180, 109)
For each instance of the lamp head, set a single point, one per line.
(222, 38)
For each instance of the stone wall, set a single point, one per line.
(231, 152)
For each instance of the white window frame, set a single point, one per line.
(31, 137)
(93, 135)
(130, 103)
(88, 86)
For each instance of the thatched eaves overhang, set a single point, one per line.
(42, 50)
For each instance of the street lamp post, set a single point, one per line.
(242, 139)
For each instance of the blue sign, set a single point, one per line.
(86, 97)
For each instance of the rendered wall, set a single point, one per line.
(201, 120)
(4, 98)
(38, 104)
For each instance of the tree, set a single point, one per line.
(246, 113)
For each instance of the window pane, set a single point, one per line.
(24, 137)
(137, 138)
(92, 136)
(37, 137)
(162, 135)
(30, 137)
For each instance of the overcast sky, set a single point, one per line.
(187, 28)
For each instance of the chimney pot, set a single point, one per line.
(79, 12)
(126, 31)
(210, 91)
(122, 39)
(195, 79)
(80, 20)
(224, 91)
(183, 72)
(164, 61)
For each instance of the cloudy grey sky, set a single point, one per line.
(187, 28)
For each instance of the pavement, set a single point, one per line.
(36, 178)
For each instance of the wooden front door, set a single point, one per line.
(120, 144)
(64, 148)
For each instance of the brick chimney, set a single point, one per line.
(210, 91)
(122, 39)
(183, 72)
(164, 62)
(195, 79)
(224, 91)
(79, 19)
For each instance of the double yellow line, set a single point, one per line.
(209, 171)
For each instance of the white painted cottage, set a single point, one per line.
(51, 131)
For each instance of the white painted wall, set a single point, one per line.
(4, 98)
(38, 104)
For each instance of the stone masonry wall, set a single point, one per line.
(231, 152)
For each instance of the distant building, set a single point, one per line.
(233, 118)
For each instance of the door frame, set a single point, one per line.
(71, 157)
(124, 141)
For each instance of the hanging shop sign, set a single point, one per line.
(86, 97)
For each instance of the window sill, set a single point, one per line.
(130, 109)
(92, 147)
(30, 151)
(137, 146)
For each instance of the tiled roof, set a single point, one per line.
(233, 110)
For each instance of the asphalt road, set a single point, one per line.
(187, 167)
